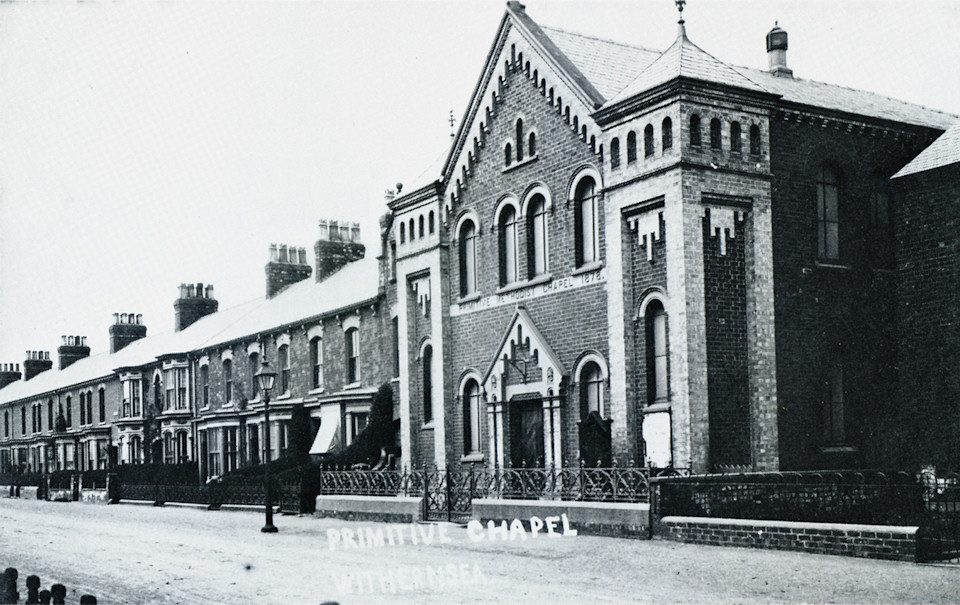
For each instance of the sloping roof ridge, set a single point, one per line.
(687, 41)
(857, 90)
(600, 39)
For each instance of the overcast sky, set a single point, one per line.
(147, 144)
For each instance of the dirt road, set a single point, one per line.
(141, 554)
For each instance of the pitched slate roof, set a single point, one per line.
(684, 59)
(353, 284)
(618, 70)
(942, 152)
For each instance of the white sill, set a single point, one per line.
(472, 457)
(469, 298)
(516, 285)
(315, 391)
(658, 406)
(282, 397)
(838, 449)
(829, 265)
(428, 426)
(522, 162)
(536, 280)
(352, 385)
(588, 268)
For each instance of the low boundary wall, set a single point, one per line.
(388, 509)
(619, 519)
(23, 491)
(868, 541)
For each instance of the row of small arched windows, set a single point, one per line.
(716, 135)
(649, 143)
(531, 141)
(416, 229)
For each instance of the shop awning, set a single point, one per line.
(328, 436)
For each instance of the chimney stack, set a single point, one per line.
(9, 372)
(126, 328)
(777, 52)
(287, 265)
(193, 304)
(72, 349)
(36, 362)
(338, 245)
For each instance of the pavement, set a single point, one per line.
(143, 554)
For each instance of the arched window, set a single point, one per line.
(168, 454)
(471, 417)
(420, 221)
(716, 139)
(735, 142)
(468, 258)
(227, 380)
(648, 145)
(254, 364)
(412, 232)
(755, 140)
(427, 362)
(69, 414)
(519, 139)
(591, 390)
(50, 411)
(102, 396)
(507, 154)
(135, 450)
(283, 360)
(316, 362)
(83, 411)
(89, 407)
(508, 245)
(352, 337)
(614, 152)
(828, 214)
(403, 232)
(586, 219)
(532, 145)
(666, 133)
(205, 385)
(695, 130)
(631, 147)
(537, 236)
(656, 336)
(182, 453)
(430, 223)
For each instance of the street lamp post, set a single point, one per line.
(265, 379)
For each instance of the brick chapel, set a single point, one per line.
(631, 257)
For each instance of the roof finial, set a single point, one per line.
(453, 122)
(680, 4)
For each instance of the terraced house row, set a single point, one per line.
(632, 256)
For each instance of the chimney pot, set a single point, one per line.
(283, 254)
(273, 253)
(139, 319)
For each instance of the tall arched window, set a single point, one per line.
(507, 154)
(430, 223)
(828, 213)
(254, 364)
(614, 152)
(403, 232)
(537, 236)
(102, 396)
(316, 362)
(136, 450)
(413, 233)
(471, 417)
(420, 222)
(735, 142)
(755, 140)
(695, 130)
(227, 380)
(157, 393)
(83, 411)
(519, 139)
(716, 138)
(353, 355)
(648, 145)
(427, 362)
(468, 258)
(69, 413)
(587, 218)
(532, 145)
(666, 133)
(283, 360)
(591, 390)
(168, 453)
(656, 336)
(182, 453)
(89, 407)
(631, 147)
(508, 245)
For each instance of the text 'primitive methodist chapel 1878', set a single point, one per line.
(631, 256)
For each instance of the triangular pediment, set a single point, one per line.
(524, 362)
(520, 45)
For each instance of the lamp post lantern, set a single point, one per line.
(265, 379)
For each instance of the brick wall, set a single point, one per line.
(867, 541)
(928, 344)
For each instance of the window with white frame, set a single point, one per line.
(352, 337)
(468, 258)
(316, 362)
(537, 236)
(656, 337)
(471, 417)
(586, 218)
(205, 385)
(591, 389)
(283, 360)
(507, 229)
